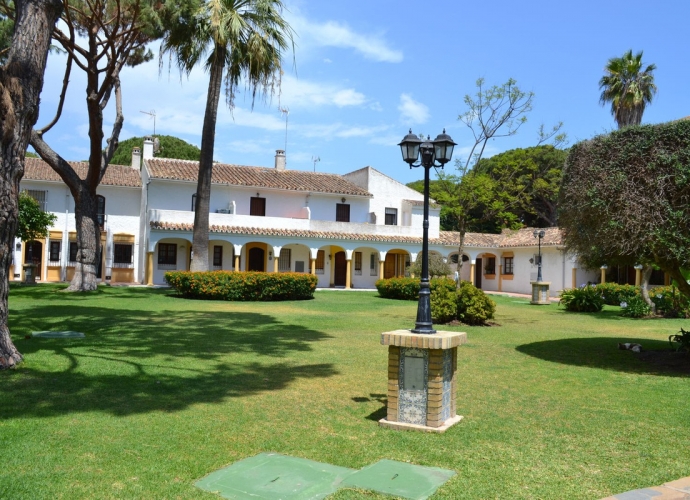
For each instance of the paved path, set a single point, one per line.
(675, 490)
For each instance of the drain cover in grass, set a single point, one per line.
(58, 335)
(399, 479)
(269, 476)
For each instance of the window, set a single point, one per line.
(454, 258)
(342, 212)
(73, 252)
(123, 254)
(299, 266)
(100, 201)
(218, 256)
(257, 206)
(508, 268)
(167, 255)
(193, 202)
(41, 197)
(372, 265)
(54, 251)
(320, 258)
(284, 260)
(391, 217)
(358, 263)
(490, 266)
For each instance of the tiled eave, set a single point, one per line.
(293, 233)
(446, 238)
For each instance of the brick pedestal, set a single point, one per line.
(422, 380)
(540, 293)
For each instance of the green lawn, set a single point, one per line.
(163, 391)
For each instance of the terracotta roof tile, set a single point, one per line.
(258, 177)
(520, 238)
(36, 169)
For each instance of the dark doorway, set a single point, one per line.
(33, 254)
(478, 274)
(340, 271)
(99, 269)
(256, 259)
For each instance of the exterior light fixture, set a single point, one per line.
(539, 234)
(429, 154)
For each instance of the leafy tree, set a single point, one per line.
(33, 221)
(529, 180)
(236, 40)
(170, 147)
(21, 81)
(627, 87)
(437, 266)
(624, 200)
(111, 35)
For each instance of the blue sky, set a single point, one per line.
(367, 71)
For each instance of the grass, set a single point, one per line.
(163, 391)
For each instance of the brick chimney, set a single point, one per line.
(280, 159)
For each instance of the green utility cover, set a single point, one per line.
(58, 335)
(399, 479)
(270, 476)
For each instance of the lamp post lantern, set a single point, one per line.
(426, 154)
(540, 235)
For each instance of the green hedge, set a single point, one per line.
(242, 286)
(613, 293)
(467, 303)
(408, 288)
(584, 299)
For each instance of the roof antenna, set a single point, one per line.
(285, 111)
(151, 113)
(315, 159)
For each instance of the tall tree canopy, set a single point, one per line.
(625, 198)
(170, 147)
(627, 87)
(21, 82)
(112, 34)
(236, 40)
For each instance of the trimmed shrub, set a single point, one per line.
(474, 307)
(670, 302)
(408, 288)
(398, 288)
(437, 266)
(636, 307)
(585, 299)
(242, 286)
(443, 302)
(613, 293)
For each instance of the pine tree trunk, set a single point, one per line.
(203, 189)
(88, 242)
(21, 81)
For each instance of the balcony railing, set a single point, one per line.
(248, 221)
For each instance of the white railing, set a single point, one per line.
(234, 220)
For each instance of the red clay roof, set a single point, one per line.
(36, 169)
(446, 238)
(258, 177)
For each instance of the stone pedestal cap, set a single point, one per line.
(438, 340)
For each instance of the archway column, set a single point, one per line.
(348, 271)
(382, 262)
(149, 268)
(500, 277)
(312, 266)
(473, 264)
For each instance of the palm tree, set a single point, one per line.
(237, 40)
(627, 88)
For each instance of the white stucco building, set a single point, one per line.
(349, 230)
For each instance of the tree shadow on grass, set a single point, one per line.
(139, 361)
(603, 352)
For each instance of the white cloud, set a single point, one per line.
(340, 35)
(305, 93)
(411, 111)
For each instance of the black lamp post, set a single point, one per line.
(539, 234)
(430, 154)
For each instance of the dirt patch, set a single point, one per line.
(667, 361)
